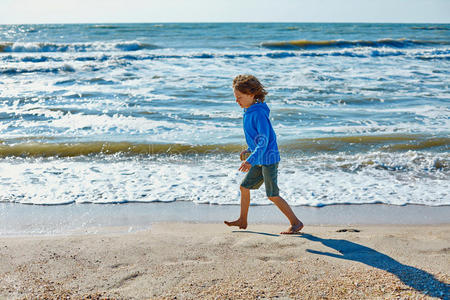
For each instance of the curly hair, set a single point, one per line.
(250, 85)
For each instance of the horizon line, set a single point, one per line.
(226, 22)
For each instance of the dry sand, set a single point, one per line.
(213, 261)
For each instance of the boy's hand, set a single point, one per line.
(243, 154)
(245, 166)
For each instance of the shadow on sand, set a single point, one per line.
(417, 279)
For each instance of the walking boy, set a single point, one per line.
(262, 164)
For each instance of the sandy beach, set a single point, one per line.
(212, 261)
(119, 157)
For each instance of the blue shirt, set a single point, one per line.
(260, 136)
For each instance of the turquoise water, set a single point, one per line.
(113, 113)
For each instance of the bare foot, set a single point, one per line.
(238, 222)
(294, 228)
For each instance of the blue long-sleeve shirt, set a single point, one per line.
(260, 136)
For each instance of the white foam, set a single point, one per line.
(376, 177)
(75, 47)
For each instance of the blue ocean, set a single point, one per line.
(118, 113)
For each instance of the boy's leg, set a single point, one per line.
(253, 180)
(296, 224)
(270, 173)
(245, 203)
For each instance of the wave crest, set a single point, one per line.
(326, 144)
(74, 47)
(306, 44)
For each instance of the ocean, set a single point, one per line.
(120, 113)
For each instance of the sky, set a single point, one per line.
(155, 11)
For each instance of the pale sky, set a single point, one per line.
(134, 11)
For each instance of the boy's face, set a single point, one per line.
(244, 100)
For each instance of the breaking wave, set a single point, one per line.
(74, 47)
(392, 43)
(425, 54)
(390, 143)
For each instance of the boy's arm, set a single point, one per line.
(261, 140)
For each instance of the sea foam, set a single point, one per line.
(325, 179)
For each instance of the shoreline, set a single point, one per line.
(23, 219)
(210, 261)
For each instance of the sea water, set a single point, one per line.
(118, 113)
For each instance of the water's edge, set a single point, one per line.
(19, 219)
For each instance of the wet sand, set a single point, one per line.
(212, 261)
(20, 219)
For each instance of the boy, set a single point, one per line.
(262, 164)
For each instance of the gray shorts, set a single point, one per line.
(262, 173)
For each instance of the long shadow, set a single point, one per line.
(417, 279)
